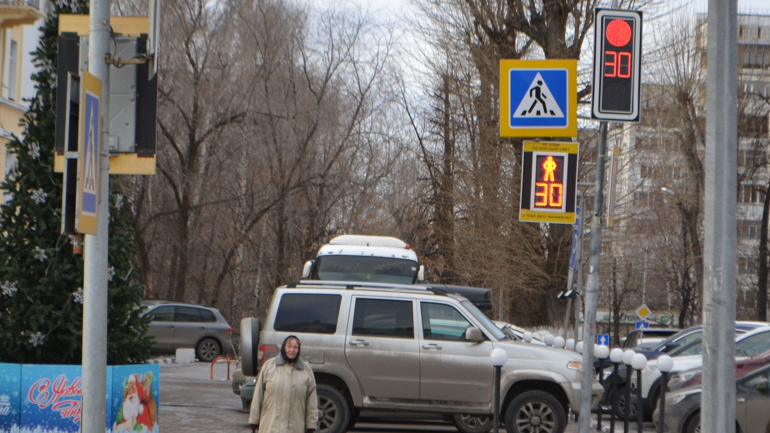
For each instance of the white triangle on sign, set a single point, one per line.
(538, 101)
(89, 183)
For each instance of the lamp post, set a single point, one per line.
(628, 357)
(601, 352)
(665, 365)
(639, 361)
(616, 356)
(498, 357)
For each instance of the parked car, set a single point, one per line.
(647, 338)
(694, 376)
(177, 325)
(681, 343)
(416, 351)
(751, 343)
(752, 400)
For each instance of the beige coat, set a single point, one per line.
(285, 399)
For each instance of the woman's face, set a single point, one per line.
(292, 347)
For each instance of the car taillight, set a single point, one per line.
(266, 351)
(229, 329)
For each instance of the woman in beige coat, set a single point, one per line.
(285, 399)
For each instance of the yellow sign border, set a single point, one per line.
(570, 65)
(88, 84)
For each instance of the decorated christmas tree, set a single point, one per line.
(41, 279)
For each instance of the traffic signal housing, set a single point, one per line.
(617, 65)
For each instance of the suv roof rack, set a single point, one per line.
(351, 285)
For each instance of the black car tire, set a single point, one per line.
(207, 349)
(693, 423)
(621, 406)
(535, 411)
(472, 423)
(333, 410)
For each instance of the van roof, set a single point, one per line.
(369, 241)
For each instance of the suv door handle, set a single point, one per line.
(359, 342)
(431, 346)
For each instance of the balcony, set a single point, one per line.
(19, 12)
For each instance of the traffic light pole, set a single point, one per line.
(94, 413)
(592, 286)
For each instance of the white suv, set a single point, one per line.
(403, 348)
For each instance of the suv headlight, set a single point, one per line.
(574, 366)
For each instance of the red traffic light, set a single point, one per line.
(617, 65)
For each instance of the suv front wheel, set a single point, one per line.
(535, 412)
(333, 410)
(472, 423)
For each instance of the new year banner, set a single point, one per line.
(47, 398)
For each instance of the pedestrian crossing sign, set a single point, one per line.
(538, 98)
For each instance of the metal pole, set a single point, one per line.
(627, 411)
(94, 389)
(662, 409)
(579, 266)
(592, 289)
(496, 426)
(568, 310)
(719, 219)
(639, 410)
(599, 409)
(614, 396)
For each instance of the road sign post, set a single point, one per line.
(617, 65)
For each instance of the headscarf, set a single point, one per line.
(283, 349)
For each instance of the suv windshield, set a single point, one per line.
(365, 268)
(488, 324)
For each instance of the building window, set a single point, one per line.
(751, 194)
(748, 229)
(13, 64)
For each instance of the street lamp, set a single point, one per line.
(580, 346)
(616, 356)
(570, 344)
(601, 352)
(665, 365)
(639, 361)
(628, 357)
(528, 337)
(498, 357)
(558, 342)
(548, 340)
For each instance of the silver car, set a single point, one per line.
(177, 325)
(752, 400)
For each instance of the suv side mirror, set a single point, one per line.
(421, 273)
(306, 269)
(670, 346)
(474, 334)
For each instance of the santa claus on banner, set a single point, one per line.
(138, 411)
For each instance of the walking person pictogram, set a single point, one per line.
(537, 93)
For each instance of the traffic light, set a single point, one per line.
(617, 65)
(548, 182)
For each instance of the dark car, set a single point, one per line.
(680, 344)
(647, 338)
(177, 325)
(752, 400)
